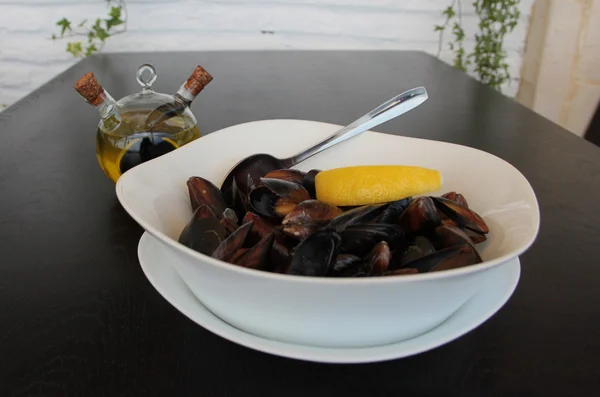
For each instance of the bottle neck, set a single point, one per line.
(185, 95)
(107, 109)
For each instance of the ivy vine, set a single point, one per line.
(487, 61)
(96, 33)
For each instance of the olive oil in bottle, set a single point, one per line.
(142, 126)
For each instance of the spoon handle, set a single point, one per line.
(396, 106)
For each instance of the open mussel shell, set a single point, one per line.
(275, 198)
(292, 190)
(314, 256)
(204, 232)
(204, 192)
(420, 217)
(359, 239)
(461, 215)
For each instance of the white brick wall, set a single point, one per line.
(28, 58)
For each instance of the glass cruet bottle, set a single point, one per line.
(144, 125)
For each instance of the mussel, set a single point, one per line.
(419, 247)
(347, 265)
(314, 255)
(309, 182)
(204, 232)
(204, 192)
(228, 247)
(361, 214)
(307, 217)
(359, 239)
(420, 217)
(392, 211)
(457, 198)
(461, 215)
(447, 258)
(275, 198)
(379, 259)
(257, 257)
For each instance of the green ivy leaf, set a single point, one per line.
(437, 28)
(101, 34)
(449, 12)
(74, 48)
(64, 24)
(90, 49)
(115, 12)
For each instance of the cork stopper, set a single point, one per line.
(89, 88)
(198, 80)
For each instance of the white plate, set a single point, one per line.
(497, 287)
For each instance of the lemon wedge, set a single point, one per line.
(372, 184)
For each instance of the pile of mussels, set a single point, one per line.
(279, 226)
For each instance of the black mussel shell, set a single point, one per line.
(420, 218)
(450, 236)
(238, 201)
(419, 247)
(362, 214)
(228, 247)
(461, 215)
(359, 239)
(204, 192)
(457, 198)
(258, 256)
(313, 256)
(262, 200)
(346, 265)
(309, 182)
(379, 258)
(204, 232)
(281, 251)
(475, 237)
(393, 210)
(307, 217)
(447, 258)
(286, 189)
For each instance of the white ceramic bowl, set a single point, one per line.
(323, 311)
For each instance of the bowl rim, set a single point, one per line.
(204, 259)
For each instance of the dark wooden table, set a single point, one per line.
(78, 317)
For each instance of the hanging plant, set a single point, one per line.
(487, 61)
(96, 34)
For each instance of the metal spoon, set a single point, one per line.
(259, 165)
